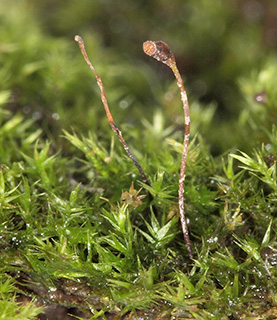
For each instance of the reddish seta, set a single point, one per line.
(160, 51)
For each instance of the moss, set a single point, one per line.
(68, 238)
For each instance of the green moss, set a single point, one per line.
(74, 231)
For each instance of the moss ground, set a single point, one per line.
(77, 239)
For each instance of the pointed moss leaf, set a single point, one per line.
(157, 128)
(177, 146)
(114, 242)
(26, 196)
(257, 165)
(184, 280)
(236, 286)
(119, 219)
(159, 236)
(4, 96)
(259, 168)
(247, 160)
(163, 232)
(2, 183)
(250, 246)
(154, 222)
(266, 237)
(12, 124)
(32, 67)
(120, 284)
(31, 138)
(228, 170)
(147, 236)
(227, 260)
(157, 192)
(74, 194)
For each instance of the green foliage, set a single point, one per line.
(159, 236)
(10, 309)
(78, 228)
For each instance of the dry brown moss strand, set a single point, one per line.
(108, 113)
(160, 51)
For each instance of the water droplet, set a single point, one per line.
(261, 97)
(231, 303)
(168, 96)
(253, 10)
(26, 109)
(55, 116)
(36, 115)
(212, 240)
(123, 104)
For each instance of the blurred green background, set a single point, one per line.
(216, 44)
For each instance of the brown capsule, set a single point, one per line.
(159, 50)
(149, 48)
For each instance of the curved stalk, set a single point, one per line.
(108, 113)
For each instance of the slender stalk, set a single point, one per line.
(108, 113)
(160, 51)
